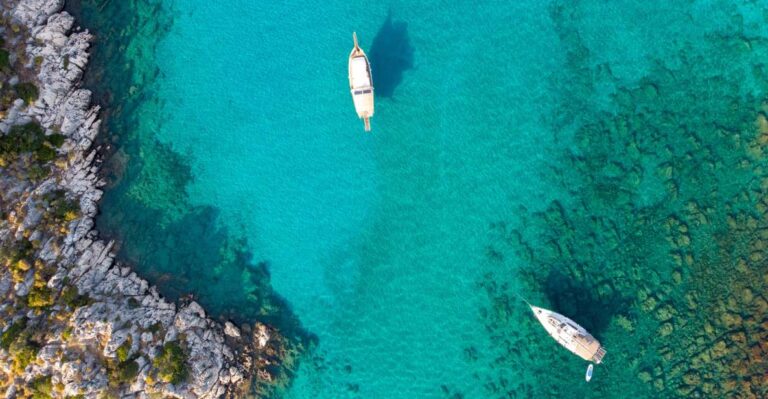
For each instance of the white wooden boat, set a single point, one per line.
(570, 335)
(361, 84)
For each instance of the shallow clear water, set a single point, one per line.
(542, 148)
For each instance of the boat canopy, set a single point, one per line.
(359, 76)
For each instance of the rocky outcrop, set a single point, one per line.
(103, 325)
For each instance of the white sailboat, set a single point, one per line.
(570, 335)
(361, 84)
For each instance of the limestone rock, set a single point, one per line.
(231, 330)
(35, 12)
(120, 307)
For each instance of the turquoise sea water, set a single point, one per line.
(601, 159)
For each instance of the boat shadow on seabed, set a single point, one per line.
(585, 302)
(391, 54)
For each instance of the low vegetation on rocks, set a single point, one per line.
(170, 363)
(74, 323)
(29, 139)
(27, 92)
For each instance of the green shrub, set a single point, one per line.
(81, 300)
(38, 172)
(72, 298)
(66, 210)
(22, 138)
(56, 139)
(154, 328)
(32, 129)
(133, 303)
(42, 387)
(29, 138)
(126, 372)
(66, 334)
(12, 253)
(7, 96)
(15, 257)
(12, 333)
(40, 297)
(62, 208)
(5, 62)
(23, 352)
(27, 92)
(126, 369)
(45, 154)
(123, 350)
(19, 270)
(171, 363)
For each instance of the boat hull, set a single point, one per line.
(570, 335)
(361, 84)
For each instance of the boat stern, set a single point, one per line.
(598, 356)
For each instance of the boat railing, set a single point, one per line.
(598, 357)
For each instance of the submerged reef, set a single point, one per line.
(661, 247)
(75, 322)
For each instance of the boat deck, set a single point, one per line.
(361, 84)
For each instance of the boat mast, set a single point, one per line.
(523, 299)
(367, 121)
(354, 38)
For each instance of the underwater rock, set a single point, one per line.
(644, 376)
(625, 323)
(692, 378)
(730, 320)
(677, 276)
(738, 338)
(684, 390)
(649, 304)
(747, 296)
(761, 305)
(665, 313)
(719, 349)
(691, 301)
(666, 329)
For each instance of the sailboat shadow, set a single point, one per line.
(580, 301)
(391, 55)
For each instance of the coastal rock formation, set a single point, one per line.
(74, 320)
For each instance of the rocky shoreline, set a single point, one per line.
(75, 322)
